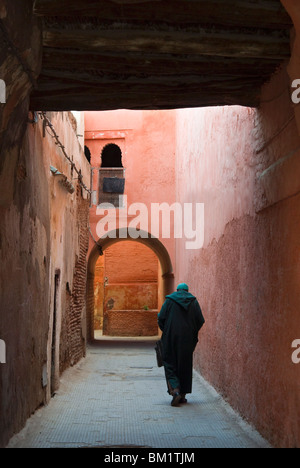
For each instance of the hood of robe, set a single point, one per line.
(183, 298)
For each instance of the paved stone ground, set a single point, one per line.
(117, 397)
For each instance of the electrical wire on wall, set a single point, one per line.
(54, 135)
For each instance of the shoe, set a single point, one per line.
(183, 400)
(176, 399)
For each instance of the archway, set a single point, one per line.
(111, 156)
(165, 276)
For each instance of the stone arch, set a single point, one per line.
(166, 277)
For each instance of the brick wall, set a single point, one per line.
(73, 339)
(130, 299)
(130, 323)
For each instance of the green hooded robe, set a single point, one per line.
(180, 320)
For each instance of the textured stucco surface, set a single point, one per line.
(43, 233)
(244, 165)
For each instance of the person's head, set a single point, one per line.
(183, 287)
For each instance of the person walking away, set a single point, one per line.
(180, 320)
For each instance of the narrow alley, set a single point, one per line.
(117, 397)
(149, 187)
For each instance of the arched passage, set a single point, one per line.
(166, 276)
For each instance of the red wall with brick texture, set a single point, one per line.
(129, 299)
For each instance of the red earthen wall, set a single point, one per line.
(147, 142)
(130, 262)
(23, 218)
(130, 323)
(130, 271)
(43, 233)
(244, 165)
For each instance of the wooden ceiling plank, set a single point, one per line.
(63, 62)
(222, 12)
(52, 77)
(141, 100)
(209, 43)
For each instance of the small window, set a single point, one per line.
(111, 156)
(87, 153)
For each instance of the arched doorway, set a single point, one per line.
(165, 270)
(126, 291)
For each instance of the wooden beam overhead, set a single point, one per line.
(52, 79)
(256, 13)
(208, 42)
(158, 54)
(150, 97)
(146, 64)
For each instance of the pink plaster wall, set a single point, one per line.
(244, 165)
(147, 141)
